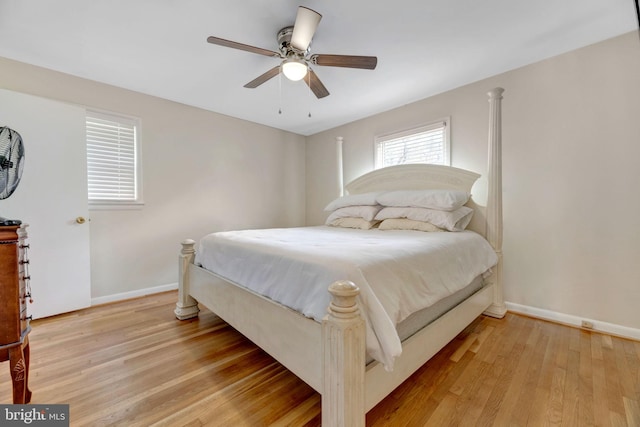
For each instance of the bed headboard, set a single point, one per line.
(413, 177)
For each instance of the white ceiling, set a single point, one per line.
(424, 47)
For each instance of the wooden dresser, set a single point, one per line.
(14, 295)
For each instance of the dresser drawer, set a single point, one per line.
(14, 285)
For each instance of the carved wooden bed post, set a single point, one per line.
(186, 307)
(494, 199)
(343, 337)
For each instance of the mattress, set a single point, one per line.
(398, 272)
(422, 318)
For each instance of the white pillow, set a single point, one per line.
(350, 222)
(407, 224)
(456, 220)
(444, 200)
(366, 212)
(364, 199)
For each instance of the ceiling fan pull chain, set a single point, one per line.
(280, 92)
(309, 91)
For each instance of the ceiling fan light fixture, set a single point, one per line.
(294, 69)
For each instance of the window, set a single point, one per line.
(426, 144)
(113, 165)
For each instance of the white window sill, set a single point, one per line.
(105, 206)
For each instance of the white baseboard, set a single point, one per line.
(568, 319)
(134, 294)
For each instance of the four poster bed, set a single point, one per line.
(345, 355)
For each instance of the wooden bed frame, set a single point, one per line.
(330, 356)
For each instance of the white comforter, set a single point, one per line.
(398, 272)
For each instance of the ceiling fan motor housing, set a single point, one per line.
(284, 44)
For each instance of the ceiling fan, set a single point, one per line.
(294, 51)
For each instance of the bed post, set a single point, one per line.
(343, 341)
(340, 167)
(186, 307)
(494, 199)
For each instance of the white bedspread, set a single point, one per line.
(398, 272)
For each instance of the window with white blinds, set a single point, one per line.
(426, 144)
(112, 159)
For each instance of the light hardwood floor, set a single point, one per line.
(133, 364)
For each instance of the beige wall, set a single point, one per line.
(202, 172)
(571, 135)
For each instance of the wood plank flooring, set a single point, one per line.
(133, 364)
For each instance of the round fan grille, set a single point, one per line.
(11, 161)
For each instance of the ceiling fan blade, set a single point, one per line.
(312, 80)
(241, 46)
(348, 61)
(263, 78)
(304, 28)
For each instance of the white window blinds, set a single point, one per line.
(111, 158)
(426, 144)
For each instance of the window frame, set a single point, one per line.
(381, 139)
(113, 204)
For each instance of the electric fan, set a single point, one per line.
(11, 165)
